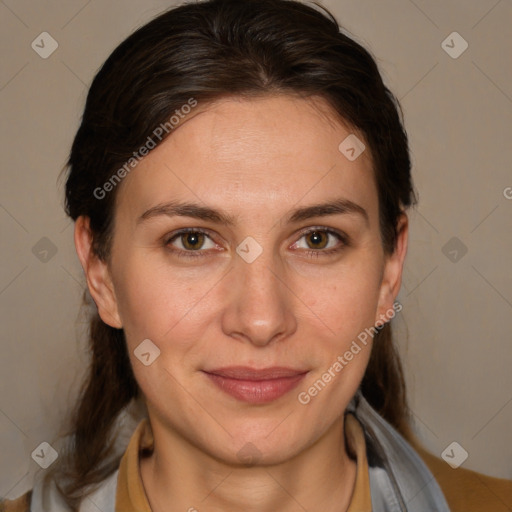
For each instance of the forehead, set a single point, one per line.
(265, 152)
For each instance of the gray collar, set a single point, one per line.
(399, 479)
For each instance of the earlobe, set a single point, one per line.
(97, 274)
(393, 268)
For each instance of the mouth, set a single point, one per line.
(256, 386)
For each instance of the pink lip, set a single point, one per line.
(256, 386)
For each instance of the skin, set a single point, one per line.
(257, 160)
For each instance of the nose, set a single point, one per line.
(259, 307)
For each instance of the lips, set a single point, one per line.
(247, 373)
(254, 385)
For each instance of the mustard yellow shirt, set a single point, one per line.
(131, 497)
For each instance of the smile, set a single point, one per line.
(257, 386)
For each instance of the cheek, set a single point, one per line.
(163, 302)
(347, 309)
(346, 297)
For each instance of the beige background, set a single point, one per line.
(456, 322)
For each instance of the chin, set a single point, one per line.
(263, 449)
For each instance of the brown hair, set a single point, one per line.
(205, 51)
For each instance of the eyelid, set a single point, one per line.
(340, 235)
(332, 231)
(176, 234)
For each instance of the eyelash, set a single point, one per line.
(344, 239)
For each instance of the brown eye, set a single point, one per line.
(317, 239)
(322, 242)
(193, 240)
(190, 242)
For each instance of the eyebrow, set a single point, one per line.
(174, 208)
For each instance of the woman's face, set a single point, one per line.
(291, 281)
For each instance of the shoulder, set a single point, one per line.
(466, 490)
(21, 504)
(45, 496)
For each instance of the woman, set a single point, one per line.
(239, 186)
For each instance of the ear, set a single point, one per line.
(97, 274)
(392, 273)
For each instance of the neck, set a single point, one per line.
(179, 476)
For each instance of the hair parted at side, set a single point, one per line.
(208, 50)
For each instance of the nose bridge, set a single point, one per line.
(260, 306)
